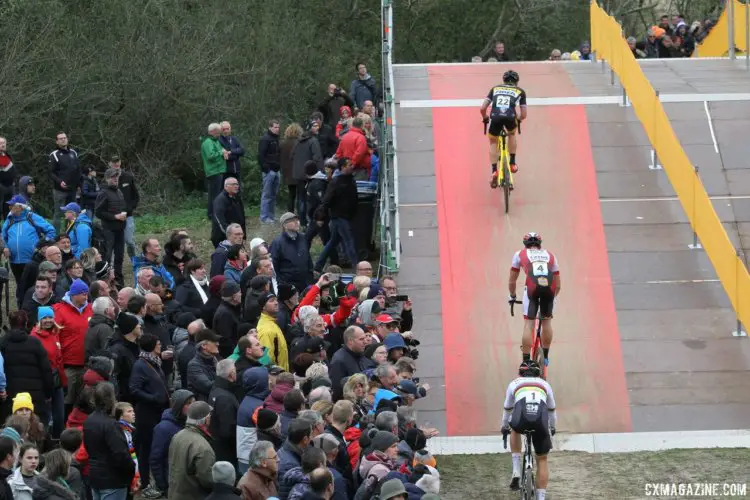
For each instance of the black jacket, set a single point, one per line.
(172, 264)
(269, 152)
(292, 260)
(189, 298)
(224, 420)
(219, 258)
(101, 329)
(148, 390)
(187, 353)
(109, 203)
(308, 148)
(27, 368)
(226, 323)
(341, 198)
(201, 373)
(129, 191)
(344, 364)
(157, 326)
(126, 354)
(251, 312)
(221, 491)
(6, 493)
(109, 458)
(236, 151)
(242, 364)
(331, 107)
(30, 272)
(316, 190)
(342, 459)
(64, 167)
(328, 141)
(89, 192)
(227, 209)
(31, 306)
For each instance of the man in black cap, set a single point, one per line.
(288, 300)
(201, 371)
(132, 197)
(111, 209)
(227, 317)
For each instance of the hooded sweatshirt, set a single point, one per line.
(172, 421)
(80, 232)
(255, 383)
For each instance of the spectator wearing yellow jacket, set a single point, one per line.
(269, 333)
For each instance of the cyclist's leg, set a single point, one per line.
(511, 127)
(530, 311)
(542, 446)
(542, 475)
(516, 422)
(547, 332)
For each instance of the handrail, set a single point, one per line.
(608, 43)
(390, 247)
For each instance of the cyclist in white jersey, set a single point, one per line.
(530, 405)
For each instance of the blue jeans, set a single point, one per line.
(242, 468)
(341, 232)
(130, 236)
(57, 412)
(268, 198)
(110, 494)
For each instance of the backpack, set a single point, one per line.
(98, 239)
(39, 231)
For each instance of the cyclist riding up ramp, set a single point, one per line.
(504, 100)
(530, 406)
(542, 287)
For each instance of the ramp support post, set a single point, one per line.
(654, 157)
(739, 332)
(695, 245)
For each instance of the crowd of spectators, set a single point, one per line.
(670, 37)
(251, 373)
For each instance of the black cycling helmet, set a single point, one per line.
(532, 240)
(529, 369)
(511, 76)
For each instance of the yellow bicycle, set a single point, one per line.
(505, 176)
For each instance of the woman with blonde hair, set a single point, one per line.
(355, 390)
(291, 138)
(324, 408)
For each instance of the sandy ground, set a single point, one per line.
(578, 475)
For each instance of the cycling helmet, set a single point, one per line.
(511, 77)
(532, 240)
(529, 369)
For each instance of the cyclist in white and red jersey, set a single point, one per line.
(542, 286)
(530, 406)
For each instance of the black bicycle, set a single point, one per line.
(527, 485)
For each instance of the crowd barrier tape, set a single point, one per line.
(716, 44)
(609, 44)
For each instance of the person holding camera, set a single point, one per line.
(335, 98)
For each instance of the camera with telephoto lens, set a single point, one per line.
(411, 347)
(337, 91)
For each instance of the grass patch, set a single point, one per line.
(577, 475)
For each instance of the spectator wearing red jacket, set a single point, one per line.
(353, 145)
(72, 315)
(47, 333)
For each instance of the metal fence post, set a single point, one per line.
(654, 157)
(695, 245)
(739, 332)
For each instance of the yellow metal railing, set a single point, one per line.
(607, 41)
(716, 44)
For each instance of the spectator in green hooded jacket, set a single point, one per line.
(214, 158)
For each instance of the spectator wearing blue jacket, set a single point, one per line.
(255, 384)
(78, 228)
(21, 232)
(151, 257)
(89, 191)
(172, 422)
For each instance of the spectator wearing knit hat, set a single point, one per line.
(269, 427)
(381, 460)
(191, 456)
(269, 333)
(288, 296)
(47, 333)
(124, 346)
(227, 317)
(72, 315)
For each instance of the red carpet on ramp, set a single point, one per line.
(556, 196)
